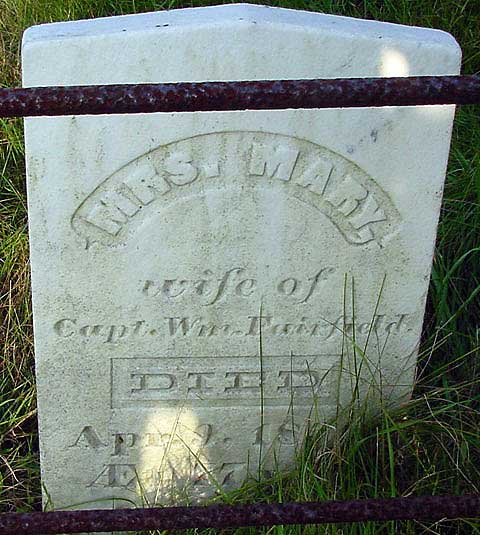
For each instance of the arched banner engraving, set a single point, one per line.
(356, 205)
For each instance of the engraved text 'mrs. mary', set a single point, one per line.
(356, 205)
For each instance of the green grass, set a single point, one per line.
(430, 446)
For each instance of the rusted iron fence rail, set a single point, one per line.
(427, 508)
(245, 95)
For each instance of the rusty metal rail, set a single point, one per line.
(243, 95)
(427, 508)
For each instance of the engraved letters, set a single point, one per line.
(88, 438)
(71, 328)
(235, 283)
(278, 162)
(121, 471)
(121, 476)
(148, 381)
(198, 326)
(357, 206)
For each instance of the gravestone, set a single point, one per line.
(208, 285)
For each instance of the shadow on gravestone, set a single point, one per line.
(207, 285)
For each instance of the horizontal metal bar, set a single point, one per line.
(243, 95)
(428, 508)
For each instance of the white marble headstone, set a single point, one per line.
(159, 241)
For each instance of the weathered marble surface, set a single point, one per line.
(158, 241)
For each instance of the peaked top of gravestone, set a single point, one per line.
(236, 15)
